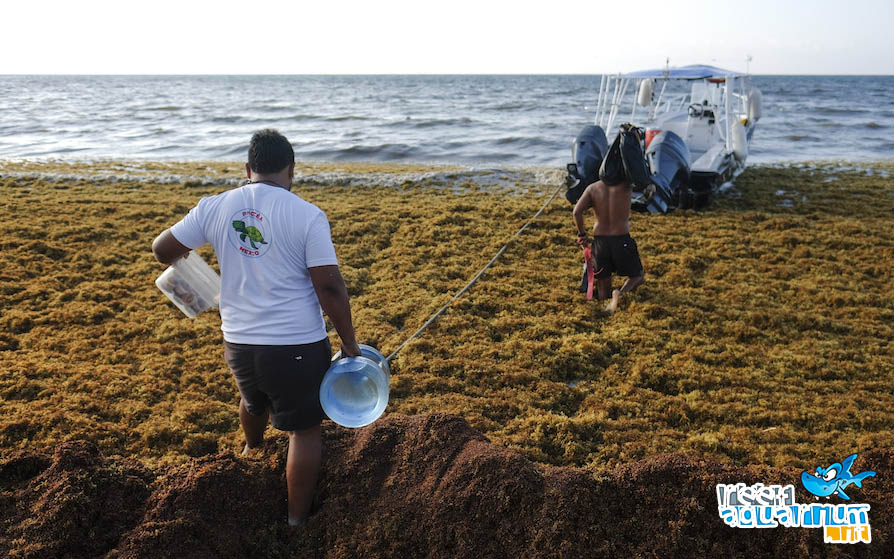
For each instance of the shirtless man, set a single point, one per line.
(614, 250)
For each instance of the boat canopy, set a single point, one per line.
(693, 72)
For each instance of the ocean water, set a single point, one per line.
(474, 120)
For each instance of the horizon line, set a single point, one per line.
(212, 74)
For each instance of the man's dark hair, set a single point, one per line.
(269, 152)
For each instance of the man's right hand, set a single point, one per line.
(350, 350)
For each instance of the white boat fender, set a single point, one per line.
(644, 98)
(740, 145)
(754, 104)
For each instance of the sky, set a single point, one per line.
(447, 37)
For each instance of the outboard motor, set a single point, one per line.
(668, 159)
(587, 151)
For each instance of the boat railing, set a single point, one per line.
(614, 94)
(620, 90)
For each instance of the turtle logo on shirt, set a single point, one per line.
(249, 232)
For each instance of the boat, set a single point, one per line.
(696, 122)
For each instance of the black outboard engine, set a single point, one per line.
(668, 159)
(587, 151)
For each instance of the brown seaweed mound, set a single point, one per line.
(77, 504)
(408, 486)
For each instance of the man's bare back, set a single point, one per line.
(611, 207)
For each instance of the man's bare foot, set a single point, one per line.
(613, 304)
(251, 451)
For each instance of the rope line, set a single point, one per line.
(441, 311)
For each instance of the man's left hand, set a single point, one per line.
(350, 350)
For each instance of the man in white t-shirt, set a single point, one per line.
(279, 273)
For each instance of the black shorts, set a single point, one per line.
(616, 254)
(284, 378)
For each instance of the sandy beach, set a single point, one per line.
(759, 347)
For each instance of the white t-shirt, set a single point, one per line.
(265, 238)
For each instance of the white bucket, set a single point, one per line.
(355, 390)
(191, 284)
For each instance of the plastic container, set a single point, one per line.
(191, 284)
(354, 391)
